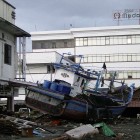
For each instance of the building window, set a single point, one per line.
(90, 41)
(107, 41)
(124, 39)
(98, 41)
(77, 42)
(65, 44)
(133, 39)
(81, 43)
(129, 40)
(7, 54)
(54, 45)
(3, 36)
(94, 41)
(111, 58)
(42, 45)
(85, 41)
(115, 40)
(102, 41)
(137, 39)
(50, 69)
(129, 76)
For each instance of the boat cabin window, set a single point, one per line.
(82, 83)
(78, 79)
(90, 84)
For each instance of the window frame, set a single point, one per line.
(7, 54)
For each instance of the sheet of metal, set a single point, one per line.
(18, 83)
(13, 29)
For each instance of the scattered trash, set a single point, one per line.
(80, 132)
(39, 132)
(24, 113)
(55, 122)
(8, 128)
(105, 129)
(55, 129)
(27, 131)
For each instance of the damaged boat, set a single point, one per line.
(71, 94)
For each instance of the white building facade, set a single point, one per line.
(117, 46)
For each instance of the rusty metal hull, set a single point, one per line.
(80, 107)
(64, 110)
(71, 108)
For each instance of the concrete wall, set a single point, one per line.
(38, 57)
(59, 50)
(1, 60)
(8, 71)
(112, 49)
(6, 11)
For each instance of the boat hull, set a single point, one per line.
(117, 110)
(57, 104)
(81, 107)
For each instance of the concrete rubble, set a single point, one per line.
(46, 127)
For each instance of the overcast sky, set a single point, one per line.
(38, 15)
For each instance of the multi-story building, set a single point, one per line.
(117, 46)
(9, 34)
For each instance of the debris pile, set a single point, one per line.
(8, 128)
(47, 127)
(82, 131)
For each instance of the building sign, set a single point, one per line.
(127, 14)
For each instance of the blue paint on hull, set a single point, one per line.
(75, 107)
(117, 110)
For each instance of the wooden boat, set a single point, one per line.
(68, 95)
(112, 102)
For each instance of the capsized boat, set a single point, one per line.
(71, 96)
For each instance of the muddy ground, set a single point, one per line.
(127, 128)
(124, 128)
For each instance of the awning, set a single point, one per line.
(13, 29)
(17, 83)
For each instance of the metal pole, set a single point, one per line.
(24, 58)
(51, 66)
(19, 60)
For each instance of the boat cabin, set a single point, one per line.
(70, 79)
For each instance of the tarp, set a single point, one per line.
(105, 129)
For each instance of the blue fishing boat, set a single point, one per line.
(70, 96)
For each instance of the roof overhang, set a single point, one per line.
(9, 4)
(17, 83)
(13, 29)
